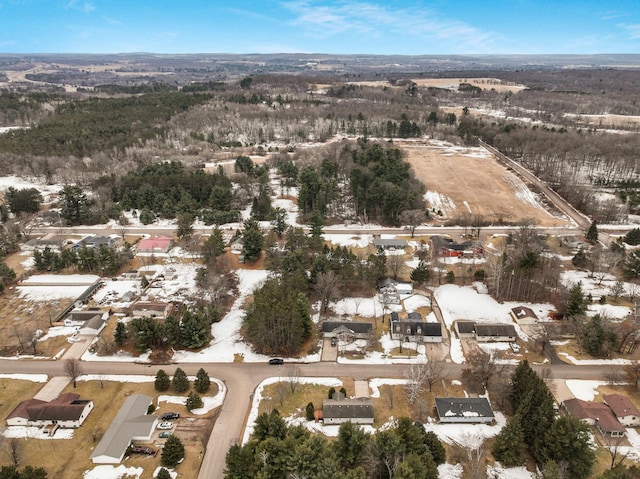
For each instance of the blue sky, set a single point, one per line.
(320, 26)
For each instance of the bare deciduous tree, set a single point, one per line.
(412, 219)
(293, 374)
(73, 369)
(13, 447)
(395, 264)
(328, 287)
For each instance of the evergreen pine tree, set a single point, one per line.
(592, 233)
(163, 474)
(576, 305)
(194, 401)
(162, 382)
(173, 451)
(120, 334)
(509, 447)
(310, 411)
(202, 382)
(180, 381)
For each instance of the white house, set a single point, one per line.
(66, 411)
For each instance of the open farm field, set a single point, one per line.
(470, 181)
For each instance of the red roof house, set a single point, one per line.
(156, 244)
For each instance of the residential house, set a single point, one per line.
(348, 329)
(596, 414)
(523, 315)
(390, 244)
(39, 244)
(66, 411)
(495, 332)
(340, 410)
(237, 246)
(154, 309)
(94, 242)
(464, 410)
(132, 423)
(414, 329)
(444, 247)
(89, 322)
(156, 244)
(626, 412)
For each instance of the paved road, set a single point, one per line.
(241, 380)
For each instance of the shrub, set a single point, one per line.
(310, 412)
(194, 401)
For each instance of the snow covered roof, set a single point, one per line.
(467, 408)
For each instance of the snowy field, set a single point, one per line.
(599, 285)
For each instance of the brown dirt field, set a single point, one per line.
(484, 83)
(488, 188)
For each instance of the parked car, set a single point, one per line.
(334, 341)
(165, 425)
(276, 361)
(142, 450)
(165, 434)
(170, 416)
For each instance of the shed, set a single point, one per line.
(464, 410)
(465, 329)
(523, 315)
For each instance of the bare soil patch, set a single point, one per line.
(476, 184)
(484, 83)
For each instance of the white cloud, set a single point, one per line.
(632, 29)
(84, 7)
(368, 18)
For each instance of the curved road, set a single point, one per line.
(241, 380)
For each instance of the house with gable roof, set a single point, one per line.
(66, 411)
(156, 244)
(464, 410)
(339, 410)
(626, 412)
(596, 414)
(132, 423)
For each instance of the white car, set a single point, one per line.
(165, 425)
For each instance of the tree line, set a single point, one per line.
(403, 451)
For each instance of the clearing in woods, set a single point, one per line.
(464, 181)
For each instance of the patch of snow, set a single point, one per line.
(466, 435)
(36, 378)
(375, 383)
(354, 241)
(596, 362)
(582, 389)
(450, 471)
(113, 472)
(498, 472)
(33, 432)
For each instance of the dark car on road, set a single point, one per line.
(169, 416)
(276, 361)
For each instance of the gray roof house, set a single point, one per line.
(357, 329)
(464, 410)
(341, 410)
(416, 331)
(390, 244)
(89, 322)
(495, 332)
(132, 423)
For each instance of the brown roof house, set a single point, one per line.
(596, 414)
(523, 315)
(626, 412)
(154, 309)
(340, 410)
(67, 411)
(132, 423)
